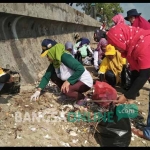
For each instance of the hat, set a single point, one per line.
(68, 45)
(46, 45)
(110, 50)
(132, 12)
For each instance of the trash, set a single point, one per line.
(66, 106)
(32, 129)
(49, 145)
(116, 133)
(103, 91)
(62, 114)
(19, 137)
(85, 129)
(51, 105)
(40, 115)
(9, 132)
(64, 144)
(75, 128)
(75, 141)
(144, 142)
(72, 133)
(47, 137)
(8, 104)
(143, 113)
(139, 103)
(132, 138)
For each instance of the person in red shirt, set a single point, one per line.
(133, 44)
(137, 20)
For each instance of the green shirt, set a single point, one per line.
(68, 61)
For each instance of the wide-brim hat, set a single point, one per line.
(132, 12)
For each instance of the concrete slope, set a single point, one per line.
(24, 25)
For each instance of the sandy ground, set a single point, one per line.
(26, 130)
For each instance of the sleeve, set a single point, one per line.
(89, 48)
(144, 61)
(103, 66)
(46, 77)
(123, 61)
(95, 56)
(73, 64)
(139, 82)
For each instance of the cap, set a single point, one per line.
(46, 45)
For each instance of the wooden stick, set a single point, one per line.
(100, 101)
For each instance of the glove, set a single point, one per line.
(35, 96)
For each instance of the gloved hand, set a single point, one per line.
(35, 96)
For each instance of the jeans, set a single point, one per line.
(110, 78)
(146, 130)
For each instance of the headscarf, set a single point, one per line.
(55, 54)
(102, 42)
(130, 39)
(68, 45)
(117, 19)
(48, 43)
(141, 23)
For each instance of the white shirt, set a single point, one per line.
(64, 73)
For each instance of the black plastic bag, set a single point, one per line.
(125, 78)
(114, 134)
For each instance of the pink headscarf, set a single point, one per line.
(141, 23)
(134, 41)
(102, 42)
(118, 19)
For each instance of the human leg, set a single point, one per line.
(110, 78)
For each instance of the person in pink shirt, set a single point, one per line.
(134, 45)
(117, 19)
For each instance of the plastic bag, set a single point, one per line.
(87, 61)
(126, 78)
(103, 91)
(114, 134)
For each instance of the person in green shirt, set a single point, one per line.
(65, 71)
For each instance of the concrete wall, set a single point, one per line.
(24, 25)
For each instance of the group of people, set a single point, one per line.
(133, 44)
(122, 45)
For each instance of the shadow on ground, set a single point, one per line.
(5, 99)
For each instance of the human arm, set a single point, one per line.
(95, 56)
(139, 82)
(89, 48)
(102, 70)
(44, 81)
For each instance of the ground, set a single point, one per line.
(23, 130)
